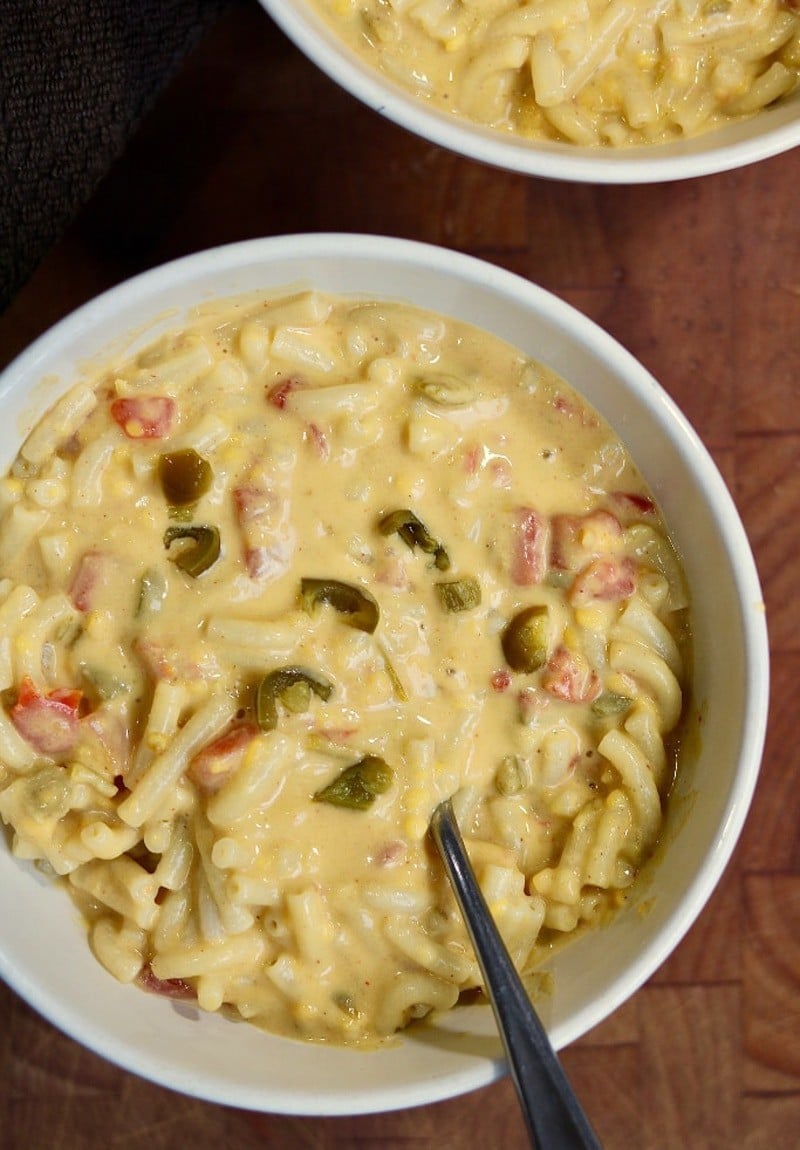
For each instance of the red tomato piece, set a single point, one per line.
(89, 578)
(168, 987)
(392, 853)
(633, 503)
(530, 547)
(252, 502)
(392, 571)
(51, 722)
(144, 416)
(472, 458)
(500, 680)
(531, 702)
(573, 409)
(318, 440)
(168, 662)
(263, 563)
(337, 734)
(214, 765)
(606, 580)
(278, 394)
(570, 678)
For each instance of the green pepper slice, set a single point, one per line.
(509, 777)
(347, 1004)
(357, 607)
(394, 678)
(459, 594)
(414, 533)
(152, 593)
(197, 559)
(358, 786)
(447, 390)
(524, 640)
(293, 686)
(184, 476)
(610, 703)
(106, 684)
(183, 514)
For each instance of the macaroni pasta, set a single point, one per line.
(278, 585)
(591, 72)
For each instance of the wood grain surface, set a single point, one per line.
(699, 279)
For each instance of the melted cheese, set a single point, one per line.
(591, 72)
(193, 822)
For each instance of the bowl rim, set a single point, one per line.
(707, 154)
(353, 248)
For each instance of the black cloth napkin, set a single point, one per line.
(76, 76)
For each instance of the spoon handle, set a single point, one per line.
(552, 1112)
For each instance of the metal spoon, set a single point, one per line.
(553, 1115)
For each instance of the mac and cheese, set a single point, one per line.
(591, 72)
(272, 589)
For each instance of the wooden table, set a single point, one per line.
(701, 281)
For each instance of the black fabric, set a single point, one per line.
(76, 76)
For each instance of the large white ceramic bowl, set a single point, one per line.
(44, 955)
(775, 130)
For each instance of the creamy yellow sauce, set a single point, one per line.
(591, 72)
(183, 714)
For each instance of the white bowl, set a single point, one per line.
(775, 130)
(44, 955)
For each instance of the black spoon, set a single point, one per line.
(552, 1112)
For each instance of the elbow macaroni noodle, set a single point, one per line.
(168, 731)
(591, 72)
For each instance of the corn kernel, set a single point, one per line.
(416, 827)
(590, 618)
(571, 638)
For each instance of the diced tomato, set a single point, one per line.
(500, 680)
(155, 659)
(392, 571)
(248, 501)
(214, 765)
(574, 410)
(262, 563)
(529, 547)
(144, 416)
(472, 458)
(632, 504)
(318, 440)
(482, 457)
(253, 502)
(391, 854)
(168, 987)
(89, 577)
(531, 701)
(339, 735)
(579, 538)
(263, 516)
(501, 472)
(569, 677)
(51, 722)
(171, 663)
(606, 580)
(278, 394)
(68, 696)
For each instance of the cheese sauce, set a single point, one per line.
(590, 72)
(275, 587)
